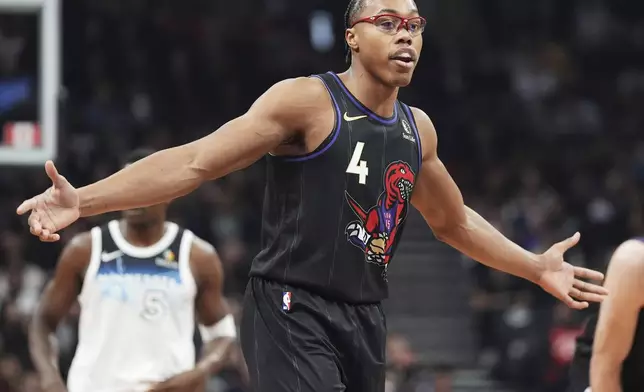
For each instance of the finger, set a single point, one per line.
(586, 297)
(575, 304)
(587, 273)
(50, 238)
(568, 243)
(35, 227)
(53, 175)
(26, 206)
(589, 287)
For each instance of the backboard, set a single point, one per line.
(29, 80)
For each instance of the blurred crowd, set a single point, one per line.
(537, 106)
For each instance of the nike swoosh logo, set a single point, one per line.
(349, 119)
(106, 257)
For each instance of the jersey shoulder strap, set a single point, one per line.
(107, 239)
(186, 241)
(410, 129)
(332, 86)
(94, 260)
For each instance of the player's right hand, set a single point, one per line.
(52, 210)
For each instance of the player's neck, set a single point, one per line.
(142, 234)
(372, 93)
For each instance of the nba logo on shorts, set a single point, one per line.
(286, 301)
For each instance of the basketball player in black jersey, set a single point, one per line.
(100, 361)
(609, 355)
(346, 161)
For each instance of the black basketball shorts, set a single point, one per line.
(295, 341)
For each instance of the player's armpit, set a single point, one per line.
(58, 297)
(618, 316)
(278, 115)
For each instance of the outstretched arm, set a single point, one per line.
(288, 109)
(275, 117)
(618, 316)
(282, 112)
(440, 202)
(58, 297)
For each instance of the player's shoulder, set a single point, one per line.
(298, 94)
(303, 86)
(421, 119)
(77, 252)
(625, 275)
(80, 241)
(297, 102)
(630, 254)
(201, 248)
(204, 260)
(426, 130)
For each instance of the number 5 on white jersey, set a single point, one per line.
(356, 166)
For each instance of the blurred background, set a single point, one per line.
(538, 107)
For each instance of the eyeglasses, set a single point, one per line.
(392, 23)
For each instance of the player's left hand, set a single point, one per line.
(563, 280)
(190, 381)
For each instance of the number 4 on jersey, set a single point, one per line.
(356, 166)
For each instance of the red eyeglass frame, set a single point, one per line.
(405, 21)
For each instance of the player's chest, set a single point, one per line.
(133, 281)
(378, 159)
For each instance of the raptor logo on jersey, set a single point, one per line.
(376, 232)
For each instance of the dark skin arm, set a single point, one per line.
(56, 301)
(291, 109)
(210, 307)
(439, 200)
(210, 304)
(618, 316)
(288, 109)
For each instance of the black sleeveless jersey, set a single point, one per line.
(333, 218)
(633, 365)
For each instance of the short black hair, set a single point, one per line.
(137, 155)
(354, 8)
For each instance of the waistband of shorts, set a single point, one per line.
(312, 291)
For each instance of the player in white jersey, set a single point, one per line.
(141, 283)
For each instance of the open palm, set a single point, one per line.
(564, 281)
(52, 210)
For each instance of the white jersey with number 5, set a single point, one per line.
(137, 313)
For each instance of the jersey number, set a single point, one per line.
(356, 166)
(155, 305)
